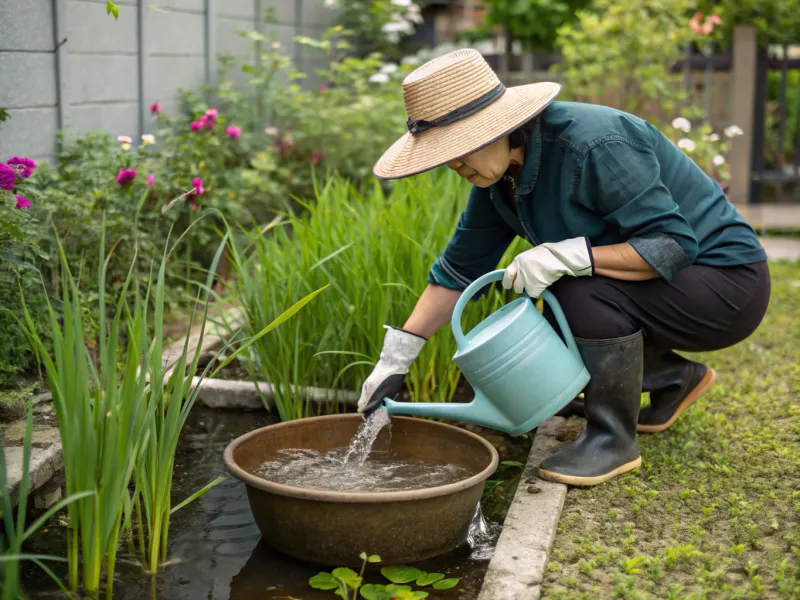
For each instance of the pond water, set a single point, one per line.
(215, 552)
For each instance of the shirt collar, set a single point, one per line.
(530, 166)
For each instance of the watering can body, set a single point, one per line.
(521, 371)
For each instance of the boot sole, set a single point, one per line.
(589, 481)
(701, 388)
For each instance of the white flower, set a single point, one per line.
(733, 131)
(402, 3)
(714, 137)
(379, 78)
(125, 146)
(124, 139)
(414, 14)
(148, 138)
(331, 3)
(393, 37)
(389, 68)
(682, 124)
(271, 131)
(718, 160)
(276, 45)
(411, 61)
(400, 26)
(686, 144)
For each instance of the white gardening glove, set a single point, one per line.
(534, 270)
(400, 349)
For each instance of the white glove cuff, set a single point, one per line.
(400, 349)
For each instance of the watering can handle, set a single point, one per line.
(483, 280)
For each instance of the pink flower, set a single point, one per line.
(234, 132)
(197, 184)
(151, 179)
(8, 176)
(156, 107)
(22, 202)
(196, 125)
(316, 157)
(124, 139)
(126, 176)
(708, 27)
(212, 113)
(23, 166)
(195, 205)
(323, 87)
(715, 19)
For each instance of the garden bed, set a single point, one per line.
(215, 550)
(715, 509)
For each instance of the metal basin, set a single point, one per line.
(333, 528)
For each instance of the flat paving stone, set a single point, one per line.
(45, 462)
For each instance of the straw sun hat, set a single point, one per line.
(456, 105)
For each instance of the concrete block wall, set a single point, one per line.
(67, 65)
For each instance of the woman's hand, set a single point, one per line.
(537, 269)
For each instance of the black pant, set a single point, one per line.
(702, 309)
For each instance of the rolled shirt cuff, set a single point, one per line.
(662, 253)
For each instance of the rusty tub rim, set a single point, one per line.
(355, 497)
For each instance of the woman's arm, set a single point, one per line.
(621, 261)
(433, 310)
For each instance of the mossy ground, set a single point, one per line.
(714, 512)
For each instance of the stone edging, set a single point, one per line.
(517, 568)
(225, 393)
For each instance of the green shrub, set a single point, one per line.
(375, 252)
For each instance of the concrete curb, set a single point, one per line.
(225, 393)
(517, 568)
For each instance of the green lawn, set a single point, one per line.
(714, 512)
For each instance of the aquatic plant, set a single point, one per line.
(343, 581)
(14, 532)
(375, 251)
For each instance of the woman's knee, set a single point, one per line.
(591, 307)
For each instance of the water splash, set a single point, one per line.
(367, 433)
(482, 536)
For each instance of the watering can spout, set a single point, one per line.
(478, 412)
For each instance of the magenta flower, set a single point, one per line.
(22, 202)
(194, 205)
(197, 125)
(234, 132)
(156, 107)
(197, 184)
(126, 176)
(8, 176)
(151, 179)
(23, 166)
(323, 87)
(316, 157)
(211, 113)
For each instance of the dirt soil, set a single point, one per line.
(714, 512)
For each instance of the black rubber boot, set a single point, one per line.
(674, 384)
(608, 445)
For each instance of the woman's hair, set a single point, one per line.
(519, 137)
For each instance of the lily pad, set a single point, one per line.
(348, 576)
(429, 578)
(401, 574)
(445, 584)
(375, 592)
(323, 581)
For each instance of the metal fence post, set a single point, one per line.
(743, 80)
(142, 66)
(211, 42)
(61, 63)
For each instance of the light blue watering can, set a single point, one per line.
(520, 370)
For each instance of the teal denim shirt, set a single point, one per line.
(611, 177)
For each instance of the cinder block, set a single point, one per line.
(117, 119)
(26, 25)
(29, 132)
(176, 33)
(92, 30)
(28, 79)
(243, 9)
(102, 78)
(167, 74)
